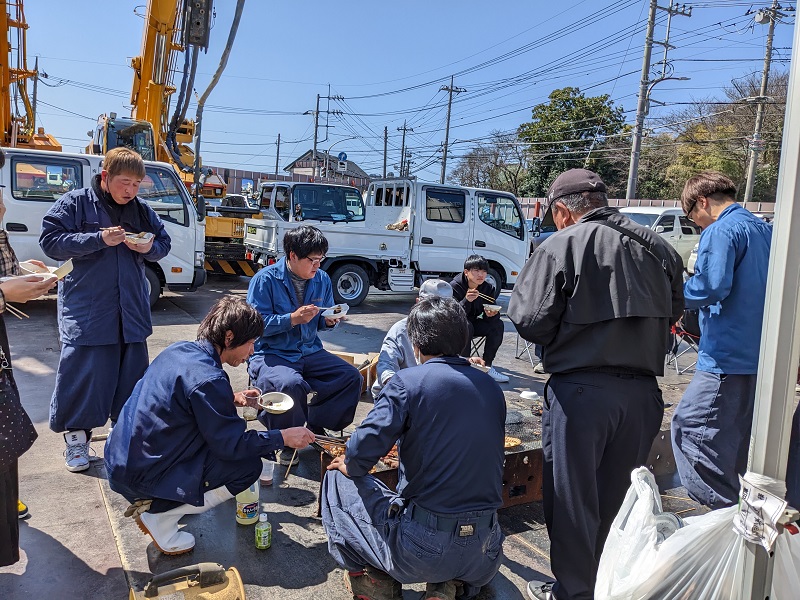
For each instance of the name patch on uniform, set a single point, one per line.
(465, 530)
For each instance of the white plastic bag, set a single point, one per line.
(703, 560)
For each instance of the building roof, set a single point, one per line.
(353, 170)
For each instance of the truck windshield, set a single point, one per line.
(136, 135)
(327, 203)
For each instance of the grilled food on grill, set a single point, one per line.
(512, 441)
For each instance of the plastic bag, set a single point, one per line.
(703, 560)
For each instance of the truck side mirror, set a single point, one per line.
(659, 229)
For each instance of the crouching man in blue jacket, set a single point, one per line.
(440, 527)
(179, 446)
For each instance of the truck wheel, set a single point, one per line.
(153, 285)
(350, 285)
(494, 278)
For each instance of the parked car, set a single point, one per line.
(671, 223)
(539, 231)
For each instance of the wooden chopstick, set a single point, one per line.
(489, 298)
(16, 312)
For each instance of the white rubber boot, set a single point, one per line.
(163, 527)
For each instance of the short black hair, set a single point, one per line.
(234, 314)
(304, 241)
(438, 327)
(476, 261)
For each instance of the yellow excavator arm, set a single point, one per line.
(18, 130)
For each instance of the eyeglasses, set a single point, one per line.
(691, 210)
(316, 261)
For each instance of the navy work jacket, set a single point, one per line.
(729, 286)
(271, 292)
(448, 419)
(104, 300)
(180, 415)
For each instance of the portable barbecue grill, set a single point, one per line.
(522, 470)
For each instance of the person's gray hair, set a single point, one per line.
(583, 202)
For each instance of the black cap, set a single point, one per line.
(575, 181)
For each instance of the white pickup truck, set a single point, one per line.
(434, 228)
(34, 179)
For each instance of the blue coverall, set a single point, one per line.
(290, 358)
(179, 436)
(103, 307)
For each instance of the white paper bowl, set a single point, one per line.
(134, 238)
(276, 403)
(492, 307)
(330, 314)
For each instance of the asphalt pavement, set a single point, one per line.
(77, 543)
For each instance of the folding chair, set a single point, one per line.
(476, 344)
(526, 349)
(681, 336)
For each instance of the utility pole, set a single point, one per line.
(755, 145)
(403, 146)
(316, 124)
(35, 89)
(278, 156)
(385, 148)
(457, 90)
(646, 85)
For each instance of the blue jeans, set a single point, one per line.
(361, 532)
(711, 436)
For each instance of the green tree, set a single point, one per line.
(570, 131)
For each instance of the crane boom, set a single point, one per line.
(18, 130)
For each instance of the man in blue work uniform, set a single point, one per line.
(600, 297)
(711, 426)
(289, 357)
(440, 527)
(104, 307)
(179, 447)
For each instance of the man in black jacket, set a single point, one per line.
(600, 298)
(483, 315)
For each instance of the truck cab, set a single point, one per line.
(30, 191)
(405, 231)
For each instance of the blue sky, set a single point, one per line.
(388, 60)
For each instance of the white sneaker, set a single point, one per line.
(497, 376)
(539, 368)
(77, 452)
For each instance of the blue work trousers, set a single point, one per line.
(596, 428)
(93, 382)
(361, 532)
(711, 436)
(793, 466)
(237, 476)
(337, 385)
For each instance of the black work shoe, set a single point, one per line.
(441, 591)
(372, 584)
(541, 590)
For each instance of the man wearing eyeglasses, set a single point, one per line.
(711, 426)
(289, 357)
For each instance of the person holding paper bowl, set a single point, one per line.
(104, 307)
(478, 297)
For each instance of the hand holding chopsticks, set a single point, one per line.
(22, 289)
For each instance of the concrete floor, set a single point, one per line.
(78, 543)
